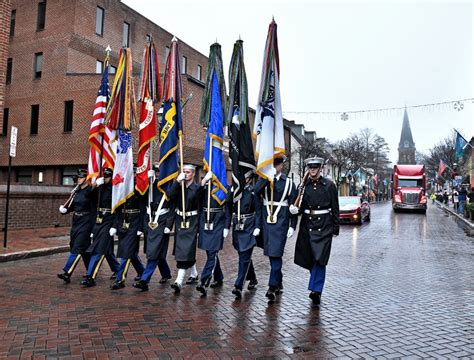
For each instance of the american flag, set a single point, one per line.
(101, 138)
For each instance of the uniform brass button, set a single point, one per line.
(319, 229)
(310, 218)
(310, 229)
(319, 207)
(319, 218)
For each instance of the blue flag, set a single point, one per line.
(171, 129)
(459, 145)
(215, 134)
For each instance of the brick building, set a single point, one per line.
(54, 63)
(51, 54)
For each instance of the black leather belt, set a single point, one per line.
(81, 213)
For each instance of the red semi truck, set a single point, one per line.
(408, 188)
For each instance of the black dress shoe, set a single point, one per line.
(252, 285)
(202, 290)
(117, 285)
(316, 297)
(66, 277)
(113, 276)
(192, 280)
(142, 285)
(164, 280)
(89, 282)
(176, 287)
(216, 284)
(238, 293)
(270, 295)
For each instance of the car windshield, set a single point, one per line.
(409, 183)
(349, 201)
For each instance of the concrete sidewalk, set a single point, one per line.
(451, 211)
(22, 244)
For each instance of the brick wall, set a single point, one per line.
(5, 12)
(34, 206)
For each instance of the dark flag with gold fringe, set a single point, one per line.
(149, 95)
(171, 123)
(241, 153)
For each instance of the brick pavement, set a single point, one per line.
(28, 243)
(400, 286)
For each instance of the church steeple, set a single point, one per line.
(406, 146)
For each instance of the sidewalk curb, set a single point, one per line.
(460, 217)
(20, 255)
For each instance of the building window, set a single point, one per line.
(24, 175)
(38, 65)
(99, 21)
(9, 71)
(126, 34)
(34, 119)
(184, 65)
(68, 175)
(99, 67)
(41, 19)
(199, 72)
(12, 23)
(112, 69)
(6, 113)
(68, 111)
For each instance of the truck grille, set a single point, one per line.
(410, 198)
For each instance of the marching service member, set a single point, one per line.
(318, 205)
(244, 230)
(157, 225)
(277, 222)
(186, 225)
(81, 203)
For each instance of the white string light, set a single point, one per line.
(457, 105)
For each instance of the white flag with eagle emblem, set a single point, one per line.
(123, 181)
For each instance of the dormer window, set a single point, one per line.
(406, 144)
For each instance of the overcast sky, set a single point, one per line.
(345, 56)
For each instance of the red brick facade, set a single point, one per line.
(71, 48)
(5, 12)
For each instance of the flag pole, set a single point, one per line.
(272, 184)
(107, 58)
(183, 223)
(239, 218)
(208, 221)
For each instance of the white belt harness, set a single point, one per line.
(159, 211)
(282, 202)
(317, 212)
(188, 213)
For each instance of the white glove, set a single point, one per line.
(226, 232)
(151, 173)
(62, 209)
(208, 176)
(99, 181)
(112, 231)
(92, 235)
(167, 230)
(256, 232)
(180, 178)
(294, 210)
(290, 233)
(139, 233)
